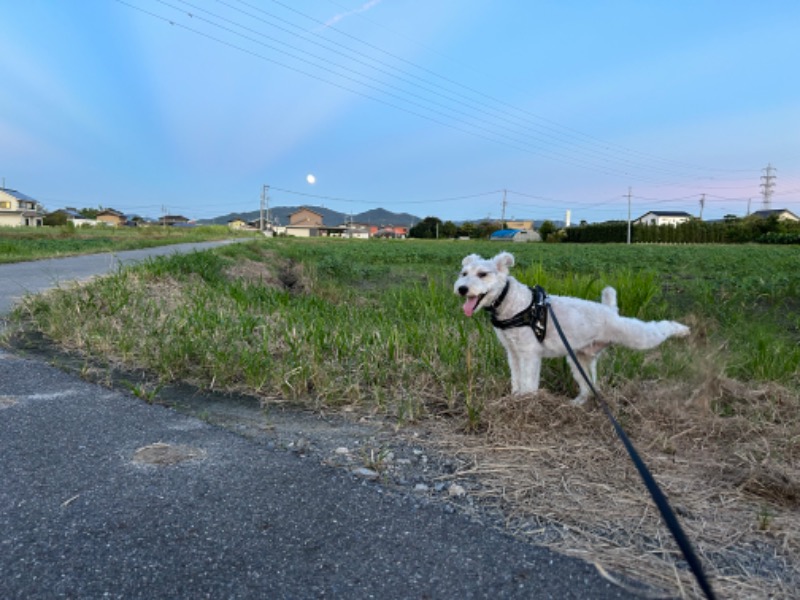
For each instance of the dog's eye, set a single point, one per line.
(481, 274)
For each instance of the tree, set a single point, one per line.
(486, 228)
(545, 229)
(90, 213)
(55, 219)
(426, 229)
(467, 229)
(448, 230)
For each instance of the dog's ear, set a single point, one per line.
(468, 260)
(504, 261)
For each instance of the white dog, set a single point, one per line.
(519, 315)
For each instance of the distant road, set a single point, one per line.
(32, 277)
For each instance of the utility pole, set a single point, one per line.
(269, 215)
(767, 186)
(749, 200)
(629, 214)
(702, 205)
(263, 206)
(503, 214)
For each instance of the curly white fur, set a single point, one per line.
(588, 326)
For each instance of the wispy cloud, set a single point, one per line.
(343, 15)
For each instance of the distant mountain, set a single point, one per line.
(331, 218)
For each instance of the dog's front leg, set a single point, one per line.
(514, 362)
(512, 365)
(529, 365)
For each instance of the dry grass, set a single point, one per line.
(277, 273)
(560, 475)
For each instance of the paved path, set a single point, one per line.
(81, 517)
(18, 279)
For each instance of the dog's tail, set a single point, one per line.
(609, 298)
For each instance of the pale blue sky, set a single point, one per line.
(432, 107)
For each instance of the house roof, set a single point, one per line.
(775, 211)
(667, 213)
(17, 195)
(70, 212)
(303, 208)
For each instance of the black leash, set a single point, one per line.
(655, 491)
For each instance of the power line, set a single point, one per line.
(357, 77)
(422, 106)
(352, 201)
(548, 123)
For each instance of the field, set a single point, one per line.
(26, 243)
(373, 327)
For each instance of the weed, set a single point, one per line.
(144, 391)
(764, 518)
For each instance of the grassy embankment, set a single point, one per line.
(375, 326)
(377, 323)
(25, 243)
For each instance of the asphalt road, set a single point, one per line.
(18, 279)
(82, 517)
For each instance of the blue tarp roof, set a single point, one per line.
(505, 233)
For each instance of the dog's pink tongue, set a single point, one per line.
(470, 304)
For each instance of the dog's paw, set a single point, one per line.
(580, 400)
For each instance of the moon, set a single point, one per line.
(311, 179)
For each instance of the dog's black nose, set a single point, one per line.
(463, 290)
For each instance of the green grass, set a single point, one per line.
(25, 243)
(378, 325)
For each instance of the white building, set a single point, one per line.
(19, 210)
(663, 217)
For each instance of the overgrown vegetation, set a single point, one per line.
(366, 322)
(375, 326)
(26, 243)
(731, 230)
(694, 231)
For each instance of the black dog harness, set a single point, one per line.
(535, 316)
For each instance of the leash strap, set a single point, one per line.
(652, 486)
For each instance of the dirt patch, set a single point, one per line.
(167, 293)
(274, 272)
(7, 401)
(161, 454)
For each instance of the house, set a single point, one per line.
(19, 210)
(238, 224)
(305, 217)
(388, 231)
(173, 220)
(519, 225)
(663, 217)
(356, 230)
(304, 223)
(74, 217)
(515, 235)
(308, 223)
(782, 214)
(112, 217)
